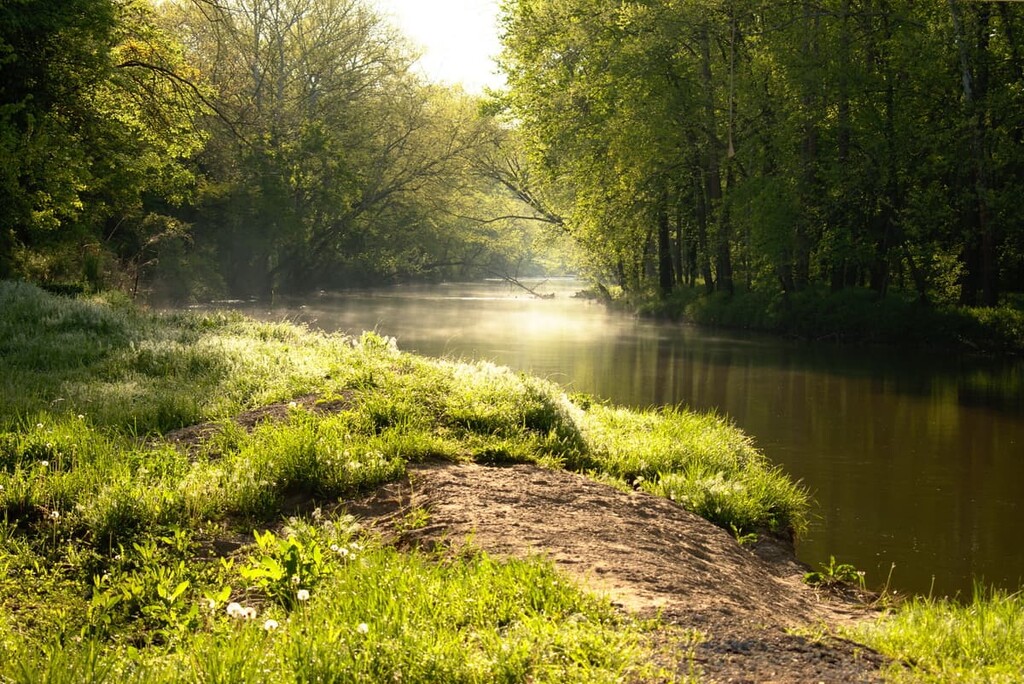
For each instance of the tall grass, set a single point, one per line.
(946, 640)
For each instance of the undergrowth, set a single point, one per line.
(125, 556)
(854, 315)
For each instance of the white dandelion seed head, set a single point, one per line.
(45, 464)
(302, 595)
(270, 625)
(249, 613)
(235, 610)
(363, 628)
(296, 579)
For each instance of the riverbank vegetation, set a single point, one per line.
(196, 149)
(856, 316)
(129, 552)
(946, 640)
(758, 153)
(127, 542)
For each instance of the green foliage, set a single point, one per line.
(94, 123)
(858, 316)
(776, 146)
(285, 567)
(698, 461)
(835, 574)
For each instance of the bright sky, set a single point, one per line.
(459, 38)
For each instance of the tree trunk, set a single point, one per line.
(666, 275)
(982, 262)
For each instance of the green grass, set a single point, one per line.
(946, 640)
(100, 578)
(367, 613)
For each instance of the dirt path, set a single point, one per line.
(648, 555)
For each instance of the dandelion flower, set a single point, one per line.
(270, 625)
(211, 605)
(55, 515)
(363, 628)
(249, 613)
(235, 610)
(45, 464)
(302, 595)
(295, 579)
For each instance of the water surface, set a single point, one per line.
(914, 460)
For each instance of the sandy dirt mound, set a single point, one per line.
(646, 553)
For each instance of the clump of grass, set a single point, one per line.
(945, 640)
(699, 461)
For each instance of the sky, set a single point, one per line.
(459, 38)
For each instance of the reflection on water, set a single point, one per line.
(913, 459)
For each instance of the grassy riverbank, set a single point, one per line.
(115, 542)
(127, 556)
(855, 316)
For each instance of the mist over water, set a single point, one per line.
(913, 459)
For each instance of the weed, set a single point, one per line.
(285, 570)
(835, 574)
(415, 519)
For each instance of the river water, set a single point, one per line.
(915, 460)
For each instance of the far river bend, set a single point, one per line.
(913, 459)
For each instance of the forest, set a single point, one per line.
(200, 148)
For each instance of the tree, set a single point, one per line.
(96, 112)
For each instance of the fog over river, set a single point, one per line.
(913, 459)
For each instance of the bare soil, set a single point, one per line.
(649, 556)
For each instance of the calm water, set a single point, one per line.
(914, 459)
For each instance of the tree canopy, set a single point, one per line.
(779, 145)
(246, 147)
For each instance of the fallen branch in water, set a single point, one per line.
(532, 290)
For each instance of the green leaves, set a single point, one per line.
(286, 570)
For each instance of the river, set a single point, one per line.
(915, 460)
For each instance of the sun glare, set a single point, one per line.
(459, 38)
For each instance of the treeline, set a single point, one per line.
(779, 146)
(239, 147)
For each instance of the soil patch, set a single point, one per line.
(649, 555)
